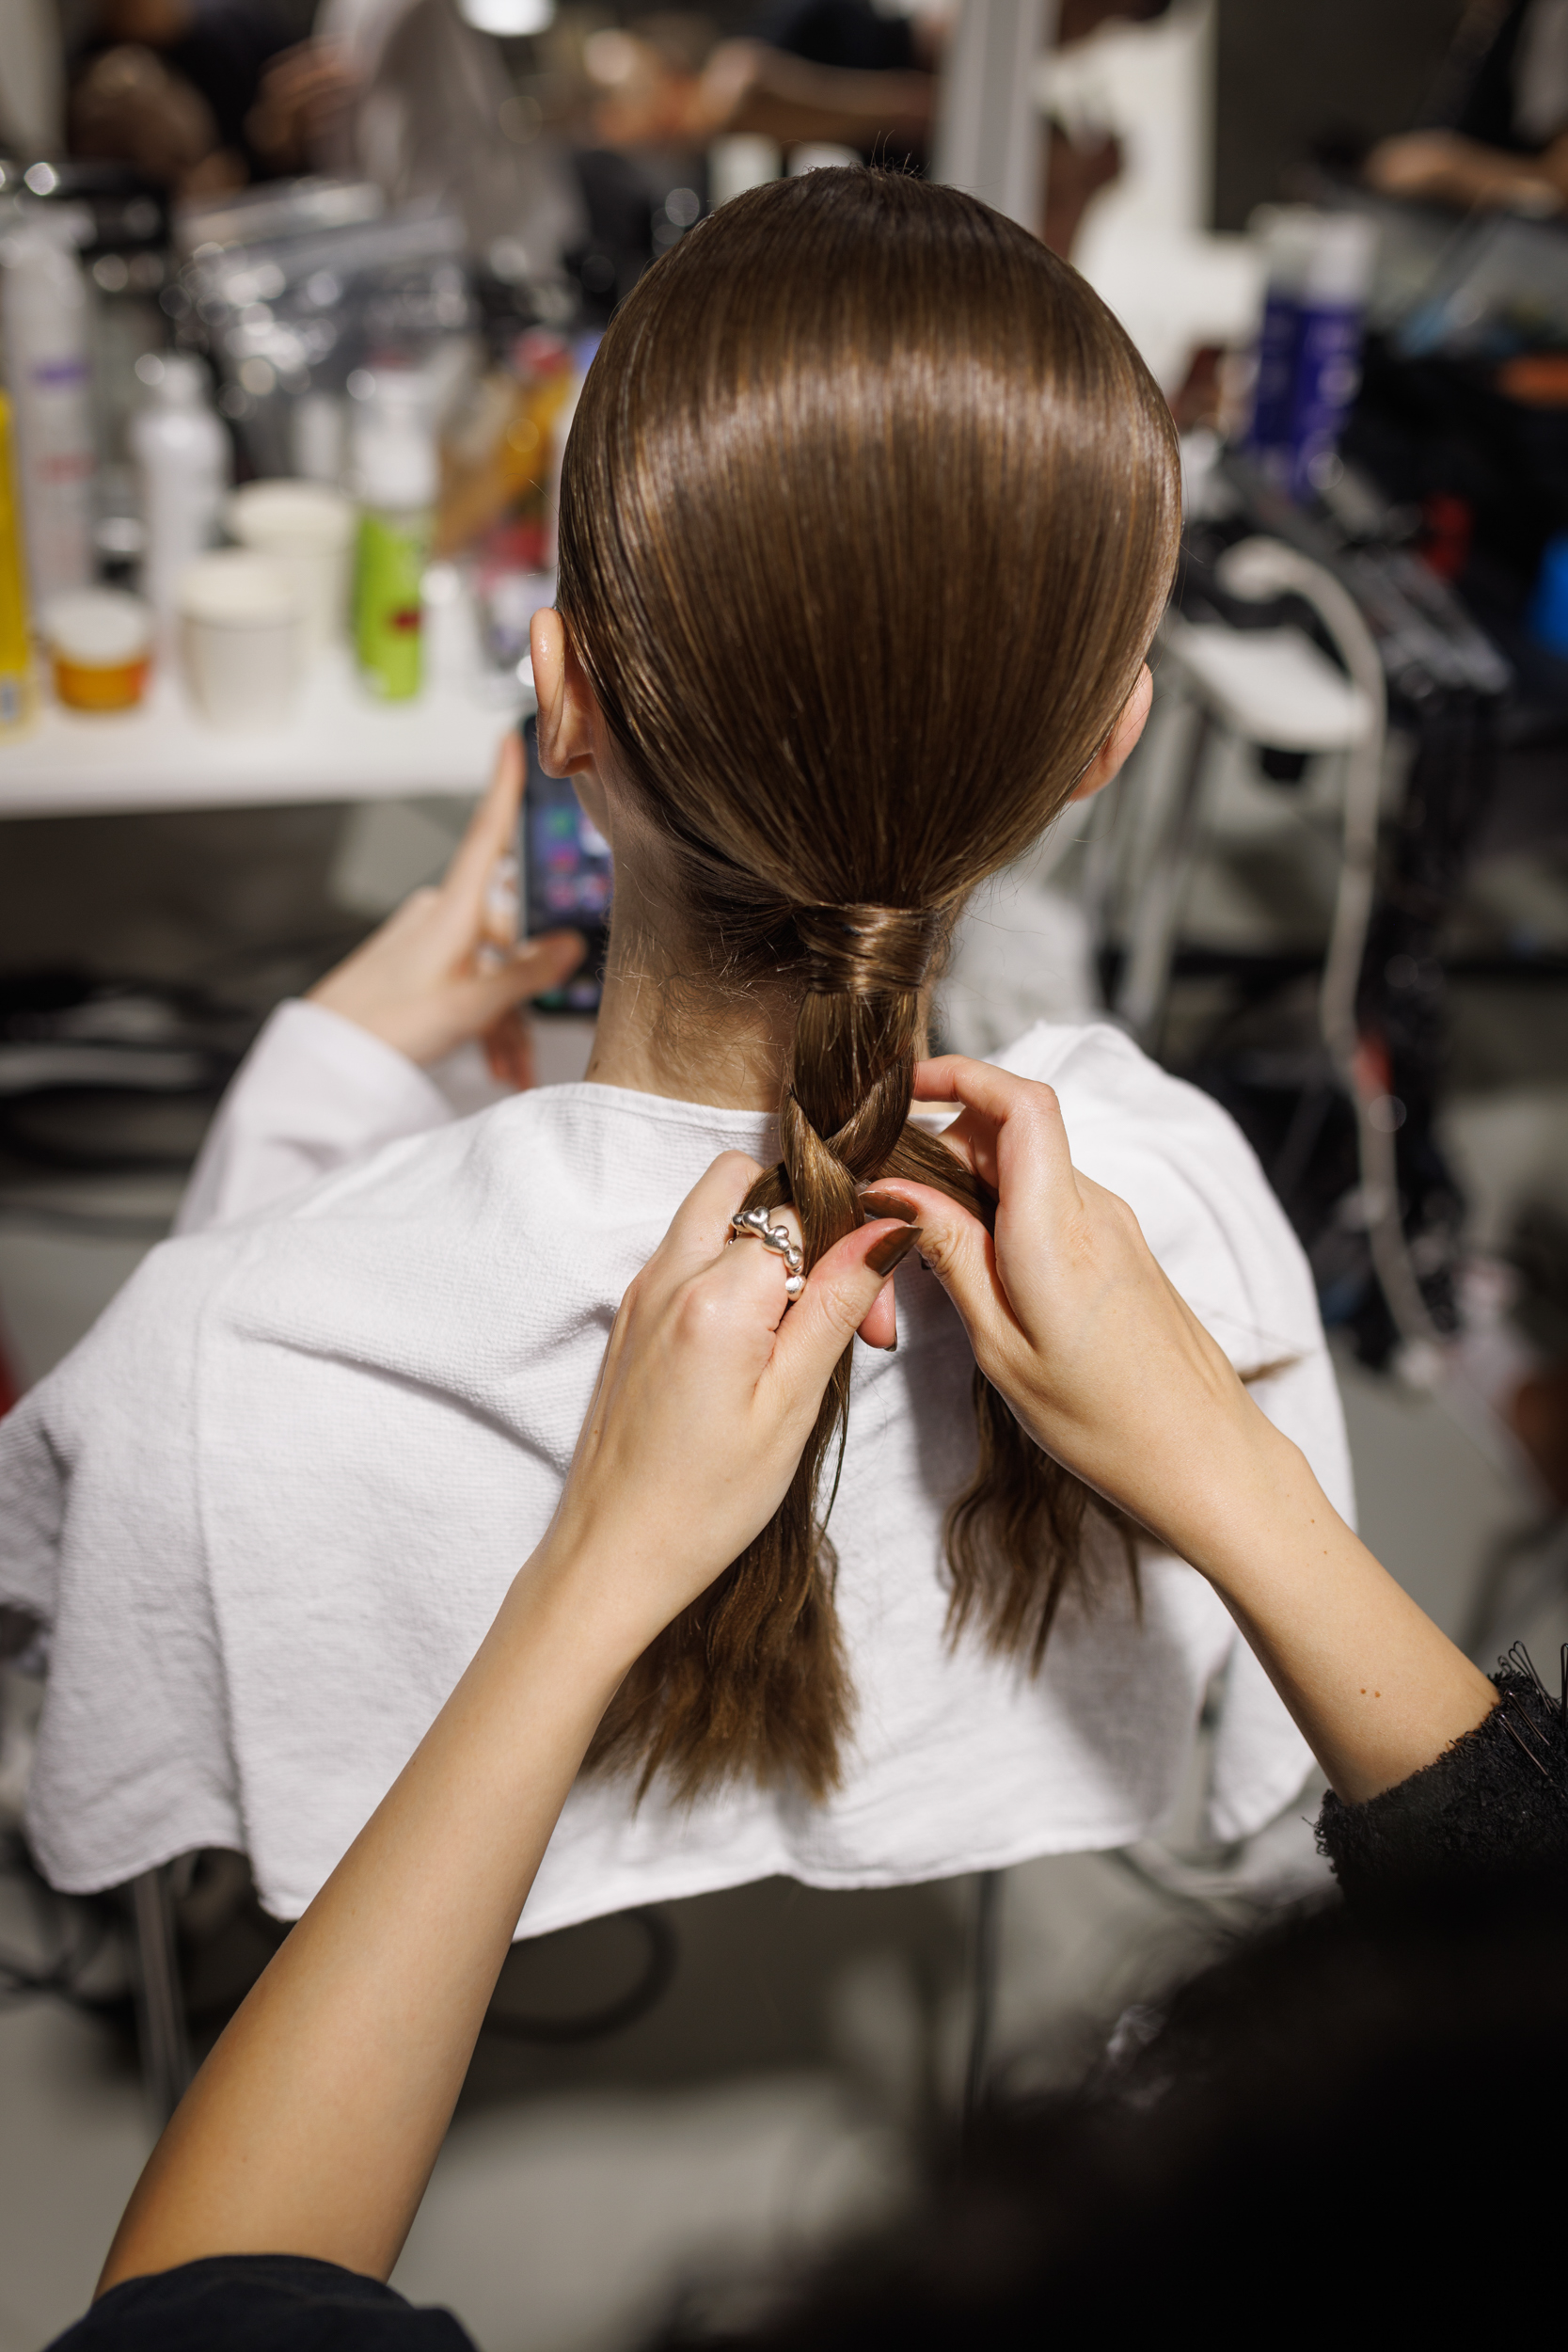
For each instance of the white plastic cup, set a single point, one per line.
(308, 530)
(240, 639)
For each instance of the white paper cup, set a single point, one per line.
(240, 638)
(309, 529)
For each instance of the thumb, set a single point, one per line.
(954, 1244)
(840, 1291)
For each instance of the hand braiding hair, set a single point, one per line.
(869, 514)
(767, 1629)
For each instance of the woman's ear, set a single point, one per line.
(1118, 746)
(565, 698)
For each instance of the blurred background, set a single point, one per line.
(295, 303)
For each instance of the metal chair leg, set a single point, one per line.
(165, 2046)
(985, 1959)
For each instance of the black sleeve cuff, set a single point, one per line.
(259, 2303)
(1492, 1809)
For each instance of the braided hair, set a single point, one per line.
(868, 514)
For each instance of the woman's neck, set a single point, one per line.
(666, 1027)
(660, 1034)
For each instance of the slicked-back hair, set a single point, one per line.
(868, 515)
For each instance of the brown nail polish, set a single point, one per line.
(892, 1249)
(883, 1204)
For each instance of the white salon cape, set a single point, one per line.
(270, 1505)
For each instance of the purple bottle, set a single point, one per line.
(1288, 238)
(1328, 349)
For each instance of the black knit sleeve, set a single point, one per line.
(1493, 1807)
(259, 2303)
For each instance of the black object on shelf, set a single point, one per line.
(111, 1077)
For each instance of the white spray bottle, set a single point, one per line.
(183, 460)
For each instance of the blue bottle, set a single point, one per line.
(1328, 348)
(1288, 237)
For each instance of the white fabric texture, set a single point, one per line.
(316, 1092)
(272, 1501)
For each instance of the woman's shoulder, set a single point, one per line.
(1100, 1075)
(1191, 1178)
(580, 1144)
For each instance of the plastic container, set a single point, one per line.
(1288, 234)
(396, 472)
(44, 318)
(100, 645)
(1328, 353)
(184, 461)
(241, 639)
(18, 697)
(309, 530)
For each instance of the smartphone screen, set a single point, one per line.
(564, 863)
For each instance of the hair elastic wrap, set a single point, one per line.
(868, 950)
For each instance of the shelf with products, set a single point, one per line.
(338, 743)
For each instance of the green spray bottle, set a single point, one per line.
(395, 463)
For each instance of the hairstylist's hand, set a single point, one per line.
(313, 2126)
(1072, 1320)
(446, 967)
(710, 1387)
(1071, 1316)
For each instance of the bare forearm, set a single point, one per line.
(312, 2127)
(1444, 164)
(766, 90)
(1378, 1690)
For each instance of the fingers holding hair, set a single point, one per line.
(1010, 1131)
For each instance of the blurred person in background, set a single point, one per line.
(841, 71)
(1506, 144)
(206, 95)
(203, 96)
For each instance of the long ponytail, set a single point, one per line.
(868, 514)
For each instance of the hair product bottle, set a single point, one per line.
(396, 471)
(49, 378)
(184, 461)
(1328, 356)
(1288, 232)
(17, 698)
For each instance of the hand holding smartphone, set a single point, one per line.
(564, 876)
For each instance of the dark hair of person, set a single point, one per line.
(868, 514)
(1338, 2124)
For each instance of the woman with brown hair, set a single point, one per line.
(280, 2195)
(869, 514)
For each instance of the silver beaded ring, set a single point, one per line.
(752, 1225)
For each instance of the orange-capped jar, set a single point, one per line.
(99, 642)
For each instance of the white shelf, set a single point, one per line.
(337, 745)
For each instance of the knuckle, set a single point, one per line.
(700, 1312)
(739, 1165)
(842, 1313)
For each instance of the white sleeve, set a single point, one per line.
(315, 1093)
(101, 1537)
